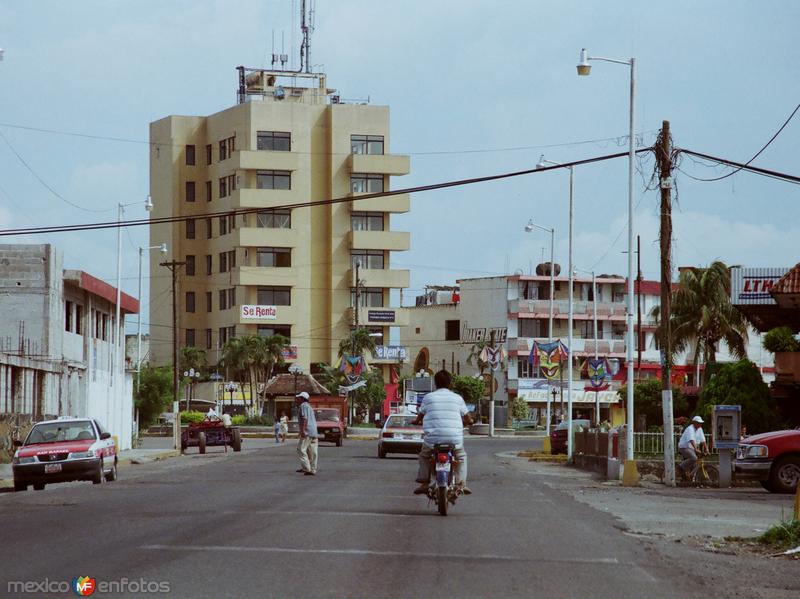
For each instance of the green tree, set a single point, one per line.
(470, 388)
(154, 394)
(359, 343)
(519, 408)
(647, 401)
(781, 339)
(193, 357)
(370, 397)
(702, 314)
(741, 384)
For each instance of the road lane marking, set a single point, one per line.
(361, 514)
(407, 554)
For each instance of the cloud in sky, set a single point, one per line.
(457, 75)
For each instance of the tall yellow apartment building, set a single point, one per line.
(288, 140)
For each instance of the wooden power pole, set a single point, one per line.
(664, 165)
(174, 266)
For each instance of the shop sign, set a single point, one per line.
(253, 312)
(380, 315)
(752, 286)
(390, 352)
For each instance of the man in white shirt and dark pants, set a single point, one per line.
(443, 415)
(692, 444)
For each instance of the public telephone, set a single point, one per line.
(726, 423)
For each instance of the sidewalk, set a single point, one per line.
(670, 512)
(129, 456)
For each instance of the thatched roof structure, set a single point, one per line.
(284, 384)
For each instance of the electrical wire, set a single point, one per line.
(742, 166)
(746, 165)
(326, 202)
(618, 140)
(43, 182)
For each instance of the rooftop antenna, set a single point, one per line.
(307, 28)
(274, 56)
(284, 56)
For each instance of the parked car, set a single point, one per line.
(398, 435)
(558, 435)
(64, 450)
(771, 458)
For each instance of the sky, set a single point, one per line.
(475, 87)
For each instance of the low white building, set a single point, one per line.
(61, 351)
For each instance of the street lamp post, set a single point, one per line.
(542, 164)
(163, 249)
(193, 377)
(528, 228)
(630, 475)
(119, 327)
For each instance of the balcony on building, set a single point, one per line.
(611, 346)
(265, 160)
(253, 237)
(378, 277)
(396, 204)
(379, 316)
(379, 164)
(264, 275)
(581, 310)
(395, 241)
(265, 198)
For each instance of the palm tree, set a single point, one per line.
(702, 314)
(192, 357)
(357, 343)
(238, 356)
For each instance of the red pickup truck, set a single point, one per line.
(331, 414)
(771, 458)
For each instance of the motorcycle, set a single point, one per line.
(444, 490)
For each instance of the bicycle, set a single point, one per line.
(704, 475)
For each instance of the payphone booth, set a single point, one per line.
(726, 422)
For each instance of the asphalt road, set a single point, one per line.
(246, 525)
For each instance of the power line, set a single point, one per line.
(43, 182)
(742, 166)
(618, 140)
(340, 200)
(746, 165)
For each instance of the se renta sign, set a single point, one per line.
(253, 312)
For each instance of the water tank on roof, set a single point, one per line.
(543, 269)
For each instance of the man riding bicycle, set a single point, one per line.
(692, 444)
(443, 415)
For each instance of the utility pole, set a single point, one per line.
(174, 267)
(664, 162)
(491, 388)
(639, 336)
(350, 394)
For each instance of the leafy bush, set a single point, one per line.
(255, 420)
(192, 417)
(519, 408)
(154, 394)
(647, 401)
(781, 339)
(239, 420)
(740, 383)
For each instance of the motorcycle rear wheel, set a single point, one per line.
(441, 500)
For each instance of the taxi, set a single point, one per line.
(67, 449)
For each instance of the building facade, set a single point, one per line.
(61, 351)
(445, 327)
(279, 267)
